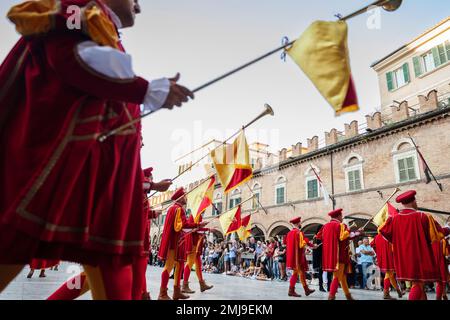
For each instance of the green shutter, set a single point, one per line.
(390, 81)
(417, 66)
(357, 180)
(406, 72)
(447, 48)
(436, 58)
(442, 55)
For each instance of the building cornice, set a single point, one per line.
(387, 130)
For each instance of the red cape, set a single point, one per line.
(385, 255)
(334, 251)
(171, 239)
(413, 256)
(66, 196)
(295, 256)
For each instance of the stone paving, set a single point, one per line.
(225, 287)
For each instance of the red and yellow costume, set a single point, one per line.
(385, 261)
(296, 243)
(409, 233)
(172, 247)
(194, 246)
(68, 291)
(335, 237)
(65, 196)
(440, 248)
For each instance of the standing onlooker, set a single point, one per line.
(282, 260)
(232, 252)
(276, 266)
(317, 264)
(367, 253)
(358, 271)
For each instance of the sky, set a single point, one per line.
(203, 39)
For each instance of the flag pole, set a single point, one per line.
(434, 211)
(321, 183)
(257, 199)
(425, 162)
(388, 5)
(385, 202)
(218, 216)
(267, 111)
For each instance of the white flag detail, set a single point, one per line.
(326, 196)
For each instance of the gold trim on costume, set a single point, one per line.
(21, 210)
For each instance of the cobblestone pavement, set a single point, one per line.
(225, 287)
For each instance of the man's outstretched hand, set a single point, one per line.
(177, 94)
(162, 186)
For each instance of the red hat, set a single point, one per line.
(178, 194)
(335, 213)
(406, 197)
(296, 220)
(148, 172)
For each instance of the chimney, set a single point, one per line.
(429, 102)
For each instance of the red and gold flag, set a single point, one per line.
(201, 198)
(230, 221)
(244, 231)
(322, 53)
(232, 163)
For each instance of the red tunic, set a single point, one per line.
(409, 233)
(296, 243)
(335, 238)
(66, 196)
(385, 255)
(193, 240)
(173, 234)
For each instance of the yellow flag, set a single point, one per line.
(201, 198)
(232, 163)
(322, 53)
(381, 217)
(230, 221)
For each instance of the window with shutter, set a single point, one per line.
(313, 189)
(406, 72)
(354, 180)
(280, 195)
(442, 54)
(406, 169)
(418, 71)
(447, 48)
(390, 81)
(436, 58)
(429, 61)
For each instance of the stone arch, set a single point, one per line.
(309, 171)
(312, 225)
(258, 231)
(217, 235)
(360, 220)
(277, 228)
(350, 157)
(400, 142)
